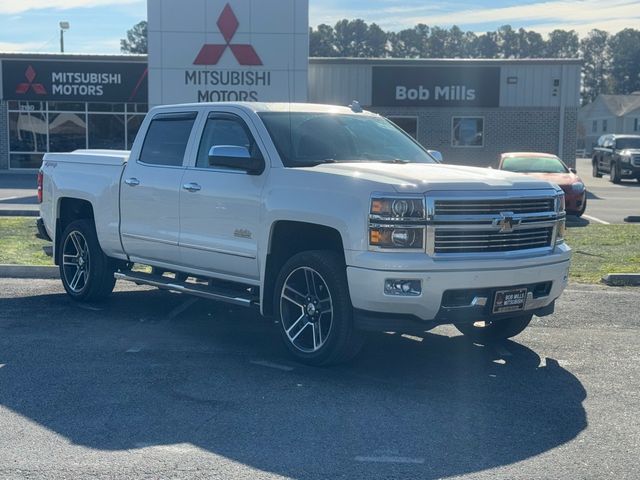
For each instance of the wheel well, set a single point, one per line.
(71, 209)
(289, 238)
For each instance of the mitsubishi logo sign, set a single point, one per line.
(228, 51)
(507, 222)
(228, 24)
(24, 87)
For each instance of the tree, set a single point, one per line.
(322, 41)
(376, 42)
(625, 61)
(437, 44)
(486, 46)
(351, 38)
(507, 40)
(594, 49)
(563, 44)
(136, 41)
(531, 44)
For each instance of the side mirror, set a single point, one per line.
(237, 157)
(436, 155)
(573, 170)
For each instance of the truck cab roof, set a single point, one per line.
(260, 107)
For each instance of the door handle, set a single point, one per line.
(132, 182)
(191, 187)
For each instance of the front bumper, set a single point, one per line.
(440, 279)
(575, 202)
(629, 170)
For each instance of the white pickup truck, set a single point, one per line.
(329, 219)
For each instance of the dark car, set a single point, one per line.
(617, 155)
(549, 167)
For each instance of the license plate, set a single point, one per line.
(509, 300)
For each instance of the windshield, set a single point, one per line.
(311, 138)
(624, 143)
(534, 165)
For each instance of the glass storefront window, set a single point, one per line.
(467, 132)
(67, 106)
(26, 106)
(25, 160)
(133, 125)
(106, 107)
(27, 132)
(106, 131)
(67, 132)
(137, 107)
(408, 124)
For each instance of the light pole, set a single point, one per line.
(63, 26)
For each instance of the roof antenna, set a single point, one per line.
(355, 106)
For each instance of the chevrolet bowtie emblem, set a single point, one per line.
(507, 222)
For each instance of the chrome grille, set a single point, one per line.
(493, 207)
(471, 223)
(636, 160)
(475, 241)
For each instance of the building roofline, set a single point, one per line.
(445, 61)
(123, 57)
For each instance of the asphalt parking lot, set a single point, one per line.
(607, 202)
(157, 385)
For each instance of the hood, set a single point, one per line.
(423, 177)
(560, 179)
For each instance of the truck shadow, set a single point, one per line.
(126, 375)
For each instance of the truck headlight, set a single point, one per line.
(403, 237)
(625, 158)
(560, 203)
(397, 209)
(578, 187)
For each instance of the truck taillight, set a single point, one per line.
(39, 187)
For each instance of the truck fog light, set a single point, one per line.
(408, 288)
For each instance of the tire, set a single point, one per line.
(582, 210)
(494, 332)
(86, 272)
(595, 171)
(614, 176)
(312, 288)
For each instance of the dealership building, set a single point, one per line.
(229, 50)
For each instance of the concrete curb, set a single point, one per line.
(622, 279)
(19, 213)
(29, 271)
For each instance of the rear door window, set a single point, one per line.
(166, 140)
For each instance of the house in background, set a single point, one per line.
(608, 114)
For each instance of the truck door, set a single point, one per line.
(150, 190)
(220, 206)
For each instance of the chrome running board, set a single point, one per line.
(243, 299)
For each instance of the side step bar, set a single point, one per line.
(204, 291)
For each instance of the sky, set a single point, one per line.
(98, 25)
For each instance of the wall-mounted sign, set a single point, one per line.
(228, 50)
(454, 86)
(74, 81)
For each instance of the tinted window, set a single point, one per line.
(623, 143)
(166, 139)
(309, 138)
(224, 130)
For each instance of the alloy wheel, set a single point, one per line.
(75, 261)
(306, 309)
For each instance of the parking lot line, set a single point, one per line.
(389, 459)
(594, 219)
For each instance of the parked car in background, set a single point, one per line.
(550, 168)
(617, 155)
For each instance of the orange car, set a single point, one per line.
(549, 167)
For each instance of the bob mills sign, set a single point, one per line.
(449, 86)
(228, 50)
